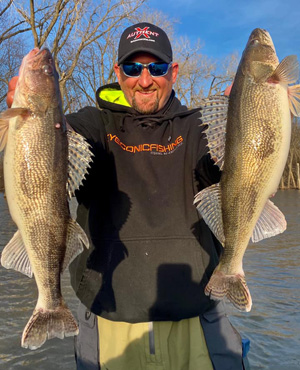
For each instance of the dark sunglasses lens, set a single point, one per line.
(158, 69)
(132, 69)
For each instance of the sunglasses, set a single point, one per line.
(156, 69)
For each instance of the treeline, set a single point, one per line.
(291, 175)
(83, 37)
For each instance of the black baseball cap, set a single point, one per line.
(145, 37)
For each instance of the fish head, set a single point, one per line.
(259, 59)
(38, 83)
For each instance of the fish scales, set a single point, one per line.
(40, 170)
(255, 139)
(258, 132)
(36, 168)
(40, 175)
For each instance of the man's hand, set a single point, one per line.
(227, 90)
(11, 91)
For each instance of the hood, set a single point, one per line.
(112, 98)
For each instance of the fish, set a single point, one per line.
(44, 163)
(248, 136)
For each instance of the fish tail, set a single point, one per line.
(47, 324)
(234, 287)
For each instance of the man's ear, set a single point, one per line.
(175, 69)
(117, 70)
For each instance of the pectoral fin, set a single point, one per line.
(4, 122)
(287, 72)
(14, 112)
(214, 115)
(14, 256)
(80, 157)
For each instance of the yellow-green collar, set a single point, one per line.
(113, 96)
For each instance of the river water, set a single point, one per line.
(272, 270)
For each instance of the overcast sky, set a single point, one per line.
(224, 26)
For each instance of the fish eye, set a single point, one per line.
(47, 69)
(255, 42)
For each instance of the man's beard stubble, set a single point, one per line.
(143, 109)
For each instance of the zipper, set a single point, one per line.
(151, 338)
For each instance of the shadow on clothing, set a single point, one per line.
(223, 341)
(160, 355)
(176, 287)
(100, 215)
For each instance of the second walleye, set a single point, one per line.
(255, 125)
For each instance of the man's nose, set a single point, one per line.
(145, 79)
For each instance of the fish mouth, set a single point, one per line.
(261, 37)
(33, 52)
(40, 60)
(37, 55)
(260, 48)
(38, 52)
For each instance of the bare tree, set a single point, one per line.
(74, 30)
(12, 46)
(95, 67)
(223, 75)
(10, 60)
(162, 20)
(290, 175)
(10, 26)
(195, 70)
(83, 34)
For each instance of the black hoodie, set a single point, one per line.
(151, 255)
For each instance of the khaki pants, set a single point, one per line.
(162, 345)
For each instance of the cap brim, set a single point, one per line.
(156, 53)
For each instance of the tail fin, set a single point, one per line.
(47, 324)
(234, 287)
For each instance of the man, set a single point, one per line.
(141, 284)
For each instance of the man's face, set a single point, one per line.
(146, 94)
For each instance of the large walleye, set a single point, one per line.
(258, 131)
(38, 178)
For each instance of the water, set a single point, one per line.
(273, 325)
(272, 270)
(18, 298)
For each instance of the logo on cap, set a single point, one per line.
(145, 32)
